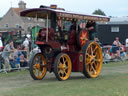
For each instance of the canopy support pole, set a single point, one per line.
(47, 30)
(36, 27)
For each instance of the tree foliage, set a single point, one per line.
(99, 12)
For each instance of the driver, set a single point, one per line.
(90, 26)
(73, 26)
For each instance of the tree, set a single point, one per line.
(99, 12)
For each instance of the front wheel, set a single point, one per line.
(62, 66)
(93, 59)
(38, 66)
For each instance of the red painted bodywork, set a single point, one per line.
(72, 50)
(77, 64)
(53, 44)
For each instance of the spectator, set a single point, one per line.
(6, 53)
(26, 43)
(21, 61)
(34, 50)
(1, 44)
(126, 44)
(15, 56)
(116, 48)
(18, 60)
(11, 60)
(1, 61)
(123, 53)
(24, 51)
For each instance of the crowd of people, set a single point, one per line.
(15, 58)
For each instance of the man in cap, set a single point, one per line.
(9, 48)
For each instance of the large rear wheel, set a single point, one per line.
(38, 66)
(93, 59)
(62, 66)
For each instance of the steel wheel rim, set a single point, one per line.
(93, 59)
(64, 67)
(83, 37)
(39, 66)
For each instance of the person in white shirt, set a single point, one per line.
(26, 43)
(126, 44)
(1, 44)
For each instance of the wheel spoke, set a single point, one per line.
(94, 71)
(87, 54)
(34, 70)
(95, 48)
(98, 60)
(43, 63)
(90, 67)
(38, 72)
(39, 59)
(63, 72)
(91, 51)
(60, 65)
(88, 61)
(59, 71)
(66, 66)
(97, 66)
(63, 59)
(96, 54)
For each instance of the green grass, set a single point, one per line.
(113, 81)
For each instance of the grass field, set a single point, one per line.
(113, 81)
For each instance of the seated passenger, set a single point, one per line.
(41, 35)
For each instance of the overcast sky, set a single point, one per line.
(110, 7)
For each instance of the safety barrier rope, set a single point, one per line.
(107, 54)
